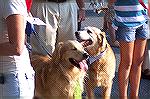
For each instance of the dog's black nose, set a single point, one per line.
(85, 55)
(77, 33)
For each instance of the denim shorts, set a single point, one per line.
(130, 34)
(17, 86)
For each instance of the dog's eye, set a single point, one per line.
(88, 31)
(74, 48)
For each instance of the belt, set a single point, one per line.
(57, 1)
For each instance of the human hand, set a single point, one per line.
(81, 15)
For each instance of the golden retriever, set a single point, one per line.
(56, 77)
(101, 60)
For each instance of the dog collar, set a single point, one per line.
(92, 59)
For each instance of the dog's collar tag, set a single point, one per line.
(92, 59)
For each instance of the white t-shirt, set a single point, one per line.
(12, 63)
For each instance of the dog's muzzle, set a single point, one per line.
(85, 42)
(81, 64)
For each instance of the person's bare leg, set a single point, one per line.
(126, 55)
(111, 31)
(135, 73)
(146, 60)
(105, 27)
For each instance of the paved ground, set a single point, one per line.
(96, 20)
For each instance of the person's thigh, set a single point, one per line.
(126, 38)
(139, 49)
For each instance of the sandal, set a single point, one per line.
(146, 74)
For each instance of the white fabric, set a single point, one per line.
(12, 63)
(131, 19)
(129, 8)
(61, 16)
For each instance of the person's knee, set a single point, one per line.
(126, 64)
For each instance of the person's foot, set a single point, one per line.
(145, 74)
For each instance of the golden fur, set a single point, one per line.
(56, 77)
(102, 71)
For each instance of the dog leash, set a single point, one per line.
(29, 30)
(79, 25)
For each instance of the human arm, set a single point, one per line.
(81, 13)
(16, 35)
(110, 2)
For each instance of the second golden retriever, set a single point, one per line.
(56, 77)
(102, 60)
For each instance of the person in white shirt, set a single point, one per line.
(61, 18)
(16, 72)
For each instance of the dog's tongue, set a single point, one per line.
(83, 65)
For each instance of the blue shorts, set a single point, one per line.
(131, 34)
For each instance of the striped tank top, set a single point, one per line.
(129, 13)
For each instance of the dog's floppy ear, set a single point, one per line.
(102, 37)
(57, 52)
